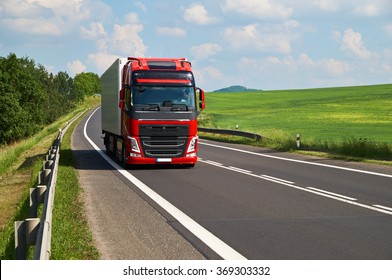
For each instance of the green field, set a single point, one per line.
(322, 116)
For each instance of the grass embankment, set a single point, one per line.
(71, 237)
(349, 121)
(19, 167)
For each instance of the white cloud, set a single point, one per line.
(296, 72)
(303, 62)
(168, 31)
(76, 67)
(209, 76)
(290, 24)
(132, 18)
(141, 6)
(95, 29)
(205, 51)
(304, 59)
(45, 17)
(123, 41)
(327, 5)
(102, 60)
(36, 26)
(198, 14)
(352, 44)
(370, 10)
(257, 8)
(361, 8)
(13, 8)
(334, 67)
(277, 38)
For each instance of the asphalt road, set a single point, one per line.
(259, 203)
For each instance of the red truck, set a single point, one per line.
(149, 111)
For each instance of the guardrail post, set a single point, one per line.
(298, 140)
(25, 235)
(32, 226)
(50, 157)
(37, 197)
(20, 240)
(48, 164)
(43, 176)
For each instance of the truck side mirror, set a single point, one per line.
(121, 103)
(202, 104)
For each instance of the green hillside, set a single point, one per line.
(319, 115)
(236, 89)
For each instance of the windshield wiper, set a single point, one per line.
(150, 107)
(179, 107)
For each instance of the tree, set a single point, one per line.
(86, 84)
(22, 96)
(30, 97)
(13, 119)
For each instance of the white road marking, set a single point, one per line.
(296, 160)
(305, 189)
(332, 193)
(239, 169)
(217, 245)
(213, 162)
(383, 207)
(278, 179)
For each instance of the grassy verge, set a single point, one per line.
(350, 122)
(358, 150)
(71, 237)
(19, 166)
(18, 199)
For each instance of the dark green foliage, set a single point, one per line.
(31, 98)
(86, 84)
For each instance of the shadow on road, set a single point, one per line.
(91, 160)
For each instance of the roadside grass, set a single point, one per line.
(354, 122)
(19, 167)
(15, 206)
(71, 236)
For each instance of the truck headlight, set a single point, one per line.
(192, 145)
(134, 144)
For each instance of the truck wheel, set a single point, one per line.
(107, 144)
(115, 149)
(123, 155)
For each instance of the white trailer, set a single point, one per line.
(111, 86)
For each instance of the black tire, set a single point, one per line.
(116, 159)
(107, 144)
(123, 156)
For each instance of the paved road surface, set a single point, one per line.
(259, 203)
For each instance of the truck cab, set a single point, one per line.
(158, 104)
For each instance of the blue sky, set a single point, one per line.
(262, 44)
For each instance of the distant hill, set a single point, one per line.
(236, 89)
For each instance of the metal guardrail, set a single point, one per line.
(38, 231)
(231, 132)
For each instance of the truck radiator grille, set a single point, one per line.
(168, 147)
(163, 140)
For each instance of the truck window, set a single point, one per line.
(127, 98)
(161, 95)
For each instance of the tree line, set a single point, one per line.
(31, 97)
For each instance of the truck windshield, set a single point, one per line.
(165, 96)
